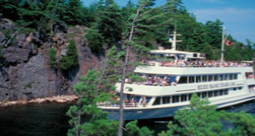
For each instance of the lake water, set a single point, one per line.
(49, 119)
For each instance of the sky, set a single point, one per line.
(238, 16)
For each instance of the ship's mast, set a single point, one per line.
(173, 40)
(222, 44)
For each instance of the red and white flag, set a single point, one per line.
(227, 42)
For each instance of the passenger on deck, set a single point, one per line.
(149, 81)
(173, 83)
(127, 80)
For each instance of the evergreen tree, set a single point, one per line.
(87, 119)
(10, 9)
(95, 40)
(214, 33)
(243, 123)
(52, 60)
(95, 121)
(71, 59)
(110, 22)
(133, 130)
(199, 119)
(73, 14)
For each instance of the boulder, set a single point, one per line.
(19, 40)
(16, 55)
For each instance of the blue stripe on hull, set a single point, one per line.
(135, 114)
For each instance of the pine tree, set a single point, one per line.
(87, 119)
(71, 59)
(73, 14)
(110, 22)
(199, 119)
(95, 40)
(52, 60)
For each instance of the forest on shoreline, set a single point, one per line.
(111, 32)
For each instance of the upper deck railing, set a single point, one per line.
(196, 64)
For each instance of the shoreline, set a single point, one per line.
(56, 99)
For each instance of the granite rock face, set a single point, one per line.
(25, 73)
(28, 80)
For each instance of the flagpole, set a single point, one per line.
(222, 44)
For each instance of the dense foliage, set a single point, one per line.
(202, 119)
(88, 120)
(70, 60)
(109, 32)
(109, 25)
(52, 60)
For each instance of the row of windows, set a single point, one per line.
(206, 78)
(187, 97)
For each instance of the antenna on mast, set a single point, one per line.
(173, 40)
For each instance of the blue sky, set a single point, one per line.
(238, 15)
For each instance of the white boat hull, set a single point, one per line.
(162, 112)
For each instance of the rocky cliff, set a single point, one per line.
(24, 69)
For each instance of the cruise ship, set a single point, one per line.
(169, 85)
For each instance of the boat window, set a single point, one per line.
(175, 98)
(157, 101)
(204, 94)
(145, 100)
(230, 77)
(194, 55)
(210, 94)
(221, 77)
(240, 88)
(180, 56)
(198, 79)
(172, 78)
(215, 77)
(166, 99)
(191, 79)
(189, 96)
(129, 97)
(148, 99)
(221, 92)
(137, 99)
(226, 77)
(183, 80)
(210, 78)
(183, 97)
(216, 93)
(226, 91)
(204, 78)
(235, 76)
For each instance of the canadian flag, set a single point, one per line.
(227, 42)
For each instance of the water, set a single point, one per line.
(49, 119)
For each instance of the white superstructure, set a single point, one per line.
(168, 85)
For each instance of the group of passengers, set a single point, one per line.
(155, 81)
(131, 103)
(198, 63)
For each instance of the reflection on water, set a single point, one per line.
(49, 119)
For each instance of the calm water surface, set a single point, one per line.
(49, 119)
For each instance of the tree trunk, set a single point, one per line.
(120, 131)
